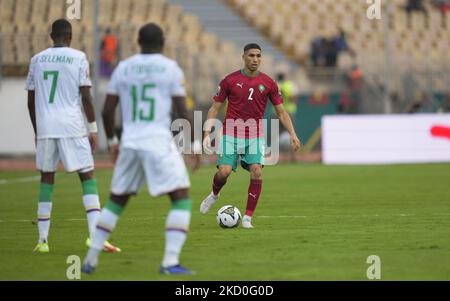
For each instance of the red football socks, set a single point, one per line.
(254, 191)
(218, 183)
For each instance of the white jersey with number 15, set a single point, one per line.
(145, 84)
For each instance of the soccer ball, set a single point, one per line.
(228, 216)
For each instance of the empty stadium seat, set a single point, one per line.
(289, 20)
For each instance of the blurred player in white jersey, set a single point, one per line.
(147, 85)
(57, 77)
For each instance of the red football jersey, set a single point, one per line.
(247, 99)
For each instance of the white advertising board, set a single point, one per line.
(386, 139)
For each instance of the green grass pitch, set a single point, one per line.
(313, 222)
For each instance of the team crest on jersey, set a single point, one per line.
(261, 88)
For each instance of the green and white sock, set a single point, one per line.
(91, 204)
(106, 224)
(44, 211)
(177, 227)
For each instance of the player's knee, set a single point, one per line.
(48, 177)
(121, 200)
(86, 176)
(256, 172)
(180, 194)
(225, 171)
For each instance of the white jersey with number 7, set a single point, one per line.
(56, 75)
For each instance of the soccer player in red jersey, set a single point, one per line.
(247, 91)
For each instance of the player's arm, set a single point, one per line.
(108, 115)
(287, 123)
(210, 121)
(30, 86)
(218, 101)
(212, 115)
(180, 105)
(86, 100)
(84, 82)
(32, 109)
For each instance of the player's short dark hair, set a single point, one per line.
(251, 46)
(61, 28)
(151, 36)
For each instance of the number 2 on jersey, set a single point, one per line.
(55, 75)
(150, 100)
(251, 90)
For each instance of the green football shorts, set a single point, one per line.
(249, 151)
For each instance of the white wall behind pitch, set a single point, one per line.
(16, 131)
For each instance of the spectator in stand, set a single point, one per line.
(325, 51)
(356, 78)
(331, 52)
(287, 89)
(416, 6)
(342, 44)
(288, 92)
(444, 8)
(351, 99)
(318, 52)
(108, 53)
(446, 104)
(419, 104)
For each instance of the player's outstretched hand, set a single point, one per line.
(295, 142)
(114, 152)
(93, 140)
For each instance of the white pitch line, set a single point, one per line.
(262, 216)
(31, 221)
(283, 216)
(304, 216)
(17, 221)
(19, 180)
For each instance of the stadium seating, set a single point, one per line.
(418, 51)
(25, 24)
(293, 24)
